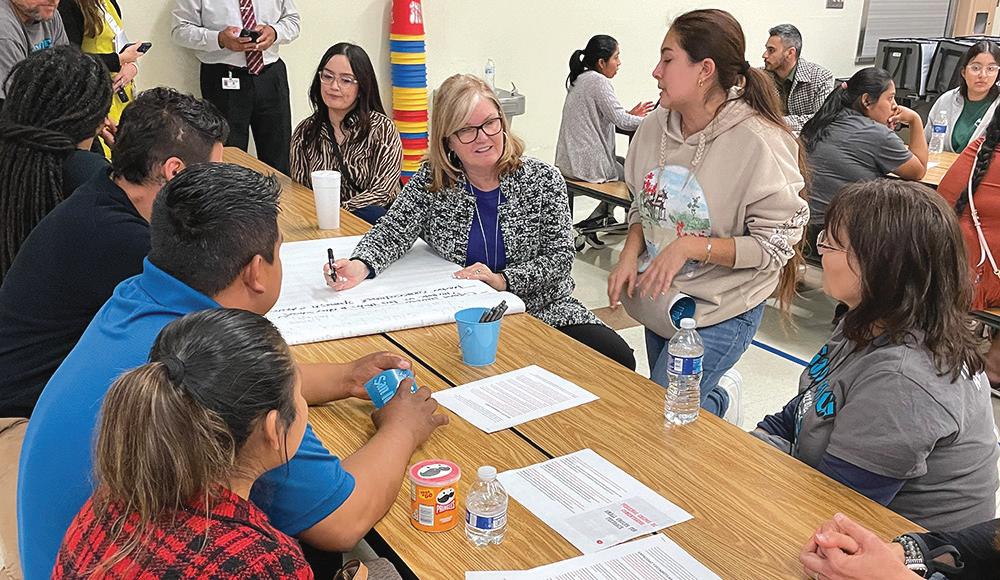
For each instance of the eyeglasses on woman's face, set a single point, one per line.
(343, 81)
(822, 245)
(978, 69)
(490, 127)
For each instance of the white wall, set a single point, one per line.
(530, 40)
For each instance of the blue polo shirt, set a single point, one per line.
(56, 476)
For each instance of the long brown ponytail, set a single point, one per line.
(172, 429)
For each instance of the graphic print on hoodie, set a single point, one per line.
(737, 179)
(673, 200)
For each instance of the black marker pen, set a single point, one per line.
(333, 269)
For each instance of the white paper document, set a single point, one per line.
(590, 501)
(506, 400)
(417, 290)
(652, 558)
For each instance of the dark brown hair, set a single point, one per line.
(716, 35)
(871, 81)
(358, 120)
(910, 253)
(975, 50)
(172, 429)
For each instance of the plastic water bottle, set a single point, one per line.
(684, 371)
(486, 509)
(939, 127)
(491, 73)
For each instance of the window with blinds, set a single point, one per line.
(900, 19)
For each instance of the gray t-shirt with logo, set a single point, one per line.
(854, 149)
(885, 409)
(18, 40)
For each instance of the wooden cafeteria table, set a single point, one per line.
(753, 506)
(934, 174)
(344, 426)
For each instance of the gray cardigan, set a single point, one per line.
(535, 221)
(586, 146)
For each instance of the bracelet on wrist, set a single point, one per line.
(913, 554)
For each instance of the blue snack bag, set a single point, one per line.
(382, 386)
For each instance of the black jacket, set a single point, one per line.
(978, 546)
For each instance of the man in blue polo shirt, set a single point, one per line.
(215, 242)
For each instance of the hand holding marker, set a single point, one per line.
(331, 260)
(495, 313)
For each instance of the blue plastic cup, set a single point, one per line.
(478, 340)
(682, 307)
(383, 386)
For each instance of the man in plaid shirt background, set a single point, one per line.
(802, 85)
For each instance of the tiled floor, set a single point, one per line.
(769, 380)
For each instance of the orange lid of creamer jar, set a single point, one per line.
(435, 473)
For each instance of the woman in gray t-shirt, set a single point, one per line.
(896, 404)
(852, 138)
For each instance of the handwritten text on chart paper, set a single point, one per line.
(417, 290)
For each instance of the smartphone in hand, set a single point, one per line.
(142, 47)
(251, 34)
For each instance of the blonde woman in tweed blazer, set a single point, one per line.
(479, 203)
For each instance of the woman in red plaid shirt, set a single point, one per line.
(182, 440)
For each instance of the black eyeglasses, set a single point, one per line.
(489, 128)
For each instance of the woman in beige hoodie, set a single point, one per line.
(717, 212)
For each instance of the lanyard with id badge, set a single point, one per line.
(230, 83)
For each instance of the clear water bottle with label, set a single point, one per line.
(684, 372)
(491, 73)
(939, 128)
(486, 509)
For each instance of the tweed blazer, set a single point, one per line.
(810, 87)
(536, 225)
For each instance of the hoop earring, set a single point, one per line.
(454, 160)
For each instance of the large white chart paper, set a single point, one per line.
(503, 401)
(417, 290)
(652, 558)
(589, 501)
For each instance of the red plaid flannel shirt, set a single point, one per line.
(241, 543)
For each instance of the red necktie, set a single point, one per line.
(255, 58)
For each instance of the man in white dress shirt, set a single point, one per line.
(241, 74)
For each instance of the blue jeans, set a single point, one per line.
(725, 343)
(370, 213)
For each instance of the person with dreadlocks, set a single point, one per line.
(95, 239)
(58, 100)
(972, 187)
